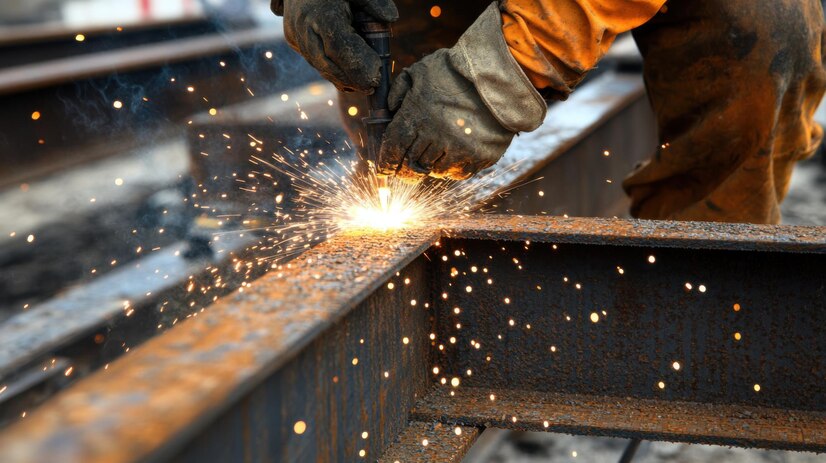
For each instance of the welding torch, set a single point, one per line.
(377, 35)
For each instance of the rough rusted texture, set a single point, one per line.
(338, 401)
(647, 233)
(605, 320)
(443, 444)
(744, 426)
(153, 401)
(232, 381)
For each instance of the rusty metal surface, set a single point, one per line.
(232, 382)
(154, 402)
(743, 426)
(430, 442)
(617, 320)
(647, 233)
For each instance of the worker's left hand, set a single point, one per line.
(459, 109)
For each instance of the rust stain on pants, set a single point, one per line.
(734, 85)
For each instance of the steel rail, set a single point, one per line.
(324, 359)
(33, 76)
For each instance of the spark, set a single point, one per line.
(331, 197)
(299, 427)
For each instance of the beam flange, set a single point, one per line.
(330, 342)
(660, 420)
(431, 442)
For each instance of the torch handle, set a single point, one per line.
(377, 35)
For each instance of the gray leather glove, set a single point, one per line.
(459, 108)
(322, 31)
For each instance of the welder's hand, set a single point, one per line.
(459, 109)
(322, 31)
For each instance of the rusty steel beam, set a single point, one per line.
(317, 343)
(596, 415)
(346, 339)
(430, 442)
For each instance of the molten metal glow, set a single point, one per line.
(313, 195)
(333, 197)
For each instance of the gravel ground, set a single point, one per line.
(547, 447)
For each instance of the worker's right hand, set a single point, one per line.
(322, 31)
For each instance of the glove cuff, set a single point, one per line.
(277, 7)
(483, 57)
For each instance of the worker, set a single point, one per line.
(733, 83)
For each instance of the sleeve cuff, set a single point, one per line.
(483, 57)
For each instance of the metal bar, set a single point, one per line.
(235, 381)
(33, 76)
(642, 233)
(594, 415)
(306, 344)
(431, 442)
(630, 451)
(698, 312)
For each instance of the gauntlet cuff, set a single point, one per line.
(483, 57)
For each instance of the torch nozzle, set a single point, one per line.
(384, 193)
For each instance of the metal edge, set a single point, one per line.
(219, 356)
(649, 233)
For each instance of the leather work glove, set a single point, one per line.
(459, 108)
(322, 31)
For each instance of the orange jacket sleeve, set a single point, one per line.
(556, 42)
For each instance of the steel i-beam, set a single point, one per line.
(402, 347)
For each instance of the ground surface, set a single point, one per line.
(806, 202)
(546, 447)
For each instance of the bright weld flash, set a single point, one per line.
(384, 198)
(391, 212)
